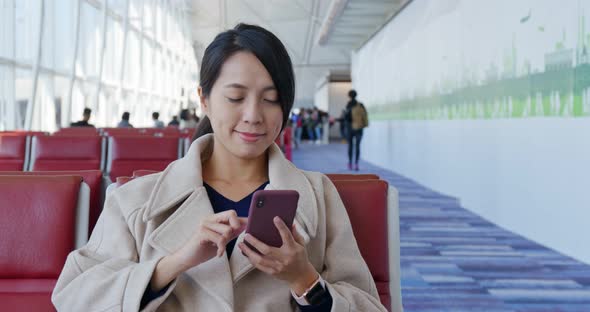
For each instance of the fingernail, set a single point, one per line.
(276, 219)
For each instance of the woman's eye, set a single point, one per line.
(272, 101)
(232, 100)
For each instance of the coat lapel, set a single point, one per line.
(213, 276)
(182, 180)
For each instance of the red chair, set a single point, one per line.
(75, 131)
(346, 176)
(129, 153)
(25, 133)
(188, 133)
(372, 209)
(120, 131)
(50, 153)
(13, 152)
(38, 228)
(141, 173)
(93, 178)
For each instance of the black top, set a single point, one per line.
(81, 123)
(221, 204)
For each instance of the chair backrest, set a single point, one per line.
(188, 133)
(366, 202)
(38, 224)
(81, 131)
(66, 153)
(129, 153)
(347, 176)
(13, 152)
(141, 173)
(93, 178)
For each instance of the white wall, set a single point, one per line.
(321, 98)
(530, 176)
(332, 97)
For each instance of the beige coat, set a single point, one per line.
(153, 216)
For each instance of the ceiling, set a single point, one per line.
(345, 25)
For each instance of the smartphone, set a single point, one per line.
(265, 205)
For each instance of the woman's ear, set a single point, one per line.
(204, 101)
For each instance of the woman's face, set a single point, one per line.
(243, 107)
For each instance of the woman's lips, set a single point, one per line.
(250, 137)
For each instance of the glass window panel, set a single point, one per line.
(147, 66)
(160, 21)
(44, 114)
(135, 12)
(61, 87)
(148, 17)
(27, 18)
(90, 40)
(64, 21)
(118, 6)
(81, 98)
(48, 36)
(23, 88)
(7, 112)
(7, 29)
(132, 60)
(113, 51)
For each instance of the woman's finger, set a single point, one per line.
(283, 231)
(222, 229)
(260, 246)
(259, 261)
(215, 238)
(229, 216)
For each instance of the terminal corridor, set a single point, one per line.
(453, 260)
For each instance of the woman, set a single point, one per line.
(161, 241)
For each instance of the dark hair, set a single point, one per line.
(87, 111)
(352, 94)
(155, 115)
(269, 50)
(184, 114)
(125, 116)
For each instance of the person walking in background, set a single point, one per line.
(84, 121)
(316, 122)
(124, 123)
(157, 123)
(343, 126)
(299, 128)
(357, 119)
(308, 125)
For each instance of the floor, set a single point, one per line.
(454, 260)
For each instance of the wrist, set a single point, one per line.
(304, 281)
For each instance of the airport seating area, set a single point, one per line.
(59, 181)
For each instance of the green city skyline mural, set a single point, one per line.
(535, 64)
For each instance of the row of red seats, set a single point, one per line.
(115, 155)
(89, 131)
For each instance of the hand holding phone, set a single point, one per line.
(265, 205)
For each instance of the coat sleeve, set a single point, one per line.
(105, 274)
(346, 274)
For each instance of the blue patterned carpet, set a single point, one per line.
(453, 260)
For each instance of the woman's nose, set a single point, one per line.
(252, 112)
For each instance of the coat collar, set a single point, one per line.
(184, 176)
(182, 180)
